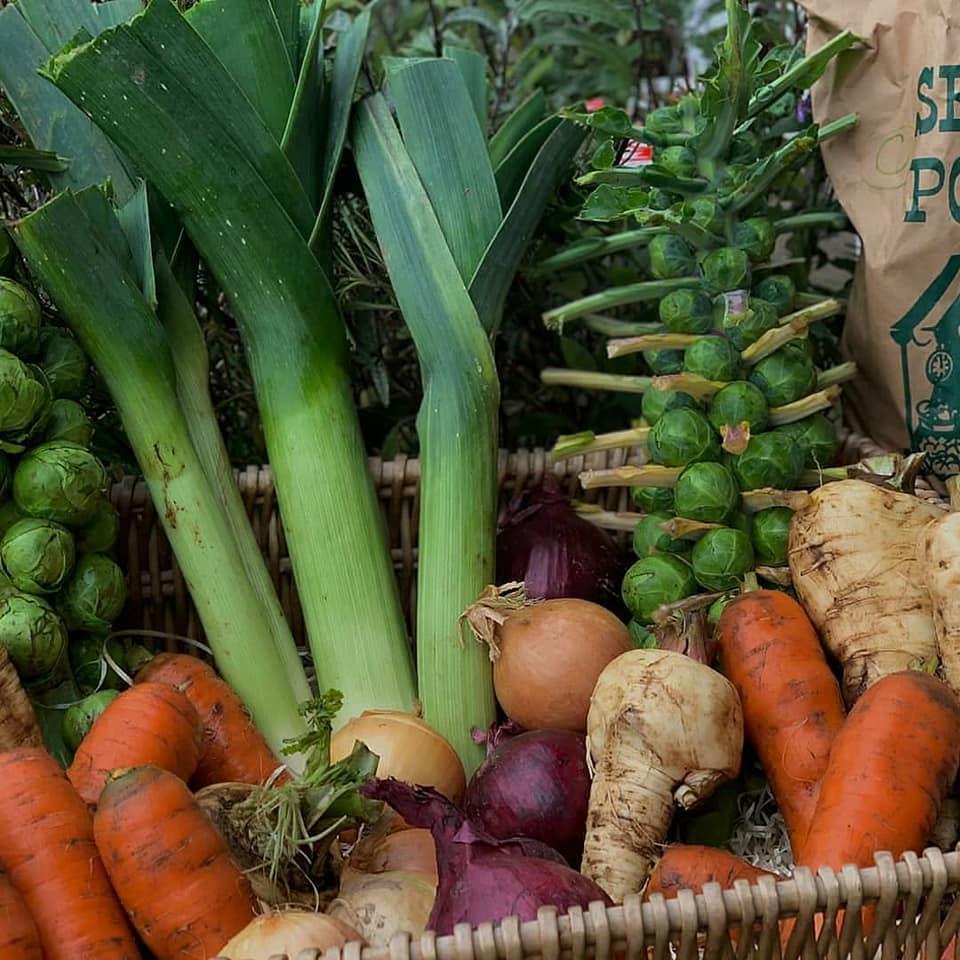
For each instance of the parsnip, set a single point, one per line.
(853, 558)
(663, 730)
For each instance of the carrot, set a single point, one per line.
(18, 721)
(149, 723)
(890, 768)
(19, 937)
(689, 866)
(47, 847)
(233, 749)
(792, 705)
(169, 865)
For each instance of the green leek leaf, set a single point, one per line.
(473, 67)
(511, 171)
(29, 159)
(517, 125)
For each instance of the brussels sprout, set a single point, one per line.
(78, 718)
(59, 481)
(681, 437)
(818, 438)
(737, 404)
(756, 237)
(64, 362)
(19, 319)
(94, 596)
(654, 581)
(726, 269)
(6, 252)
(721, 558)
(784, 376)
(670, 257)
(770, 460)
(643, 639)
(6, 476)
(742, 521)
(100, 532)
(748, 326)
(713, 357)
(716, 609)
(770, 531)
(137, 656)
(745, 147)
(657, 402)
(91, 669)
(686, 311)
(706, 492)
(680, 161)
(659, 199)
(802, 347)
(32, 632)
(649, 538)
(9, 515)
(663, 362)
(664, 121)
(24, 394)
(779, 290)
(68, 421)
(37, 555)
(652, 499)
(708, 214)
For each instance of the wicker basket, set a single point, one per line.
(916, 914)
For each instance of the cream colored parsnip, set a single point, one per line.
(663, 731)
(853, 558)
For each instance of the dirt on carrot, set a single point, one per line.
(233, 750)
(19, 937)
(169, 865)
(792, 705)
(18, 721)
(48, 850)
(690, 866)
(151, 723)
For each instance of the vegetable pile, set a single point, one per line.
(60, 591)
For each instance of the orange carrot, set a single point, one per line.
(233, 750)
(689, 867)
(47, 847)
(889, 771)
(169, 865)
(792, 706)
(149, 723)
(19, 937)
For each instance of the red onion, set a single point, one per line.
(500, 730)
(543, 542)
(481, 878)
(534, 785)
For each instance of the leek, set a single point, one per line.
(171, 106)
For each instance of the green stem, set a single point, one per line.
(649, 475)
(608, 519)
(625, 346)
(803, 408)
(836, 127)
(590, 380)
(616, 297)
(839, 374)
(698, 387)
(591, 248)
(830, 219)
(793, 327)
(580, 444)
(610, 327)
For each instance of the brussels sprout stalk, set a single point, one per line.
(687, 529)
(590, 380)
(838, 374)
(793, 327)
(615, 297)
(805, 407)
(577, 444)
(610, 327)
(625, 521)
(780, 576)
(756, 500)
(698, 387)
(649, 475)
(624, 346)
(592, 248)
(827, 219)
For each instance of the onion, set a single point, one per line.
(380, 905)
(382, 849)
(409, 749)
(288, 932)
(534, 785)
(481, 878)
(544, 543)
(547, 654)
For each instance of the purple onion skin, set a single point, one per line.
(543, 542)
(480, 878)
(535, 785)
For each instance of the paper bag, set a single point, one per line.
(897, 175)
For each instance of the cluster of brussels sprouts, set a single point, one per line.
(60, 592)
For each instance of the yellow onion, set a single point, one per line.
(379, 905)
(409, 749)
(288, 932)
(383, 849)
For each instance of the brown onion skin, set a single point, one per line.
(549, 657)
(544, 543)
(536, 785)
